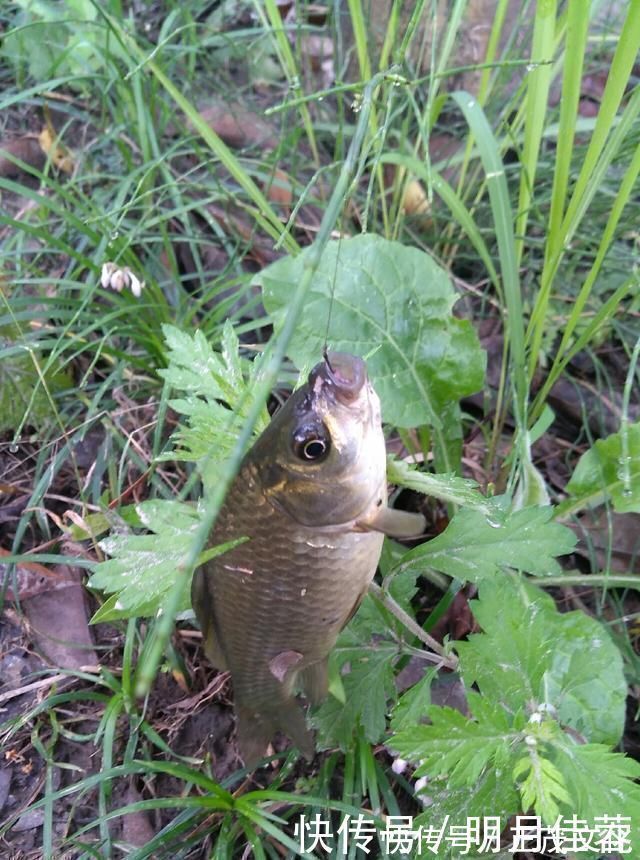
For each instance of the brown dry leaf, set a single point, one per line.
(597, 531)
(60, 156)
(237, 126)
(26, 149)
(279, 190)
(414, 200)
(32, 578)
(59, 621)
(136, 826)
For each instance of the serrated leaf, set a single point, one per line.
(216, 388)
(475, 547)
(541, 785)
(110, 611)
(532, 666)
(143, 568)
(492, 795)
(368, 688)
(391, 304)
(412, 708)
(454, 745)
(447, 488)
(608, 471)
(374, 620)
(369, 646)
(600, 782)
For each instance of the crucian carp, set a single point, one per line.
(311, 497)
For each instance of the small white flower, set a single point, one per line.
(116, 278)
(136, 285)
(399, 765)
(105, 276)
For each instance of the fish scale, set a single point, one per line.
(309, 496)
(300, 568)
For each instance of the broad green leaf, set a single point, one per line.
(393, 305)
(93, 525)
(475, 547)
(109, 610)
(532, 656)
(531, 666)
(610, 471)
(447, 488)
(585, 681)
(144, 567)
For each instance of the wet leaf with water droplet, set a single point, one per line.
(608, 471)
(477, 546)
(144, 567)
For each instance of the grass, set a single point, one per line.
(534, 214)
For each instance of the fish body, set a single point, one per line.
(307, 496)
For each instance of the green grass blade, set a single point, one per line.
(621, 68)
(503, 224)
(288, 63)
(361, 38)
(451, 199)
(577, 29)
(213, 141)
(538, 82)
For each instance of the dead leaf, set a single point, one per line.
(136, 827)
(598, 531)
(238, 126)
(414, 200)
(58, 154)
(32, 579)
(25, 149)
(59, 622)
(279, 189)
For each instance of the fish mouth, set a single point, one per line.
(343, 374)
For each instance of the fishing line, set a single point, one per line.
(325, 347)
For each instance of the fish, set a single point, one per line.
(311, 497)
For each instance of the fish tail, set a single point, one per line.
(257, 728)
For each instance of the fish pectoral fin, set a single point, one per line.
(315, 681)
(282, 665)
(256, 730)
(399, 524)
(202, 603)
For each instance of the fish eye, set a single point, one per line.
(314, 449)
(311, 443)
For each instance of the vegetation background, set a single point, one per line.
(167, 169)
